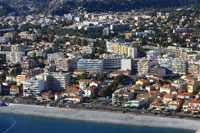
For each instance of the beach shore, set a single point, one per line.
(102, 117)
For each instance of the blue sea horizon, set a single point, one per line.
(12, 123)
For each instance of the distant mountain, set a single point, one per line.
(64, 6)
(27, 6)
(61, 7)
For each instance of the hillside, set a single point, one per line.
(64, 6)
(61, 7)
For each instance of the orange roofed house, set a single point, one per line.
(84, 83)
(14, 90)
(192, 106)
(143, 82)
(73, 93)
(167, 88)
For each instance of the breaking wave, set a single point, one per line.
(12, 125)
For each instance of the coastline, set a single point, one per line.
(101, 116)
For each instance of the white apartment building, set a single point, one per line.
(32, 86)
(126, 64)
(14, 57)
(55, 56)
(90, 65)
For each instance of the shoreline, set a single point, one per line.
(101, 116)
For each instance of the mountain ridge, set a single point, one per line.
(61, 7)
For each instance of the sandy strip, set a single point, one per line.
(103, 117)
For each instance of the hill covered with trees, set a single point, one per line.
(61, 7)
(120, 5)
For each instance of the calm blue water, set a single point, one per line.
(10, 123)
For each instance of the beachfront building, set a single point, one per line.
(192, 106)
(55, 81)
(14, 90)
(58, 81)
(175, 105)
(137, 103)
(90, 91)
(73, 94)
(157, 104)
(33, 86)
(121, 96)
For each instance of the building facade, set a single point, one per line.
(90, 65)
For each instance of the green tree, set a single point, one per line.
(83, 42)
(102, 77)
(78, 41)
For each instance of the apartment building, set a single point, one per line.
(90, 65)
(17, 48)
(32, 86)
(14, 57)
(55, 56)
(58, 81)
(176, 65)
(66, 64)
(112, 63)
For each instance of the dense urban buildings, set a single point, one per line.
(144, 59)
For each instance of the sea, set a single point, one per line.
(11, 123)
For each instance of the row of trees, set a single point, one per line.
(78, 41)
(108, 90)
